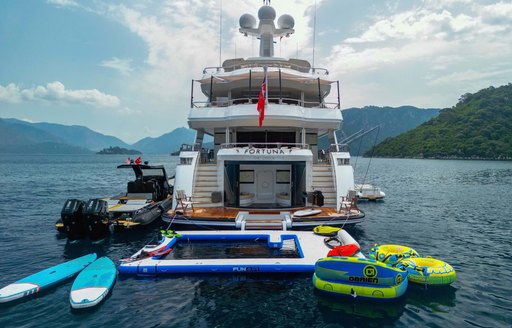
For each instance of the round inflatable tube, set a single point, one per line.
(430, 271)
(391, 254)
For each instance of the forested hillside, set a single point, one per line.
(479, 126)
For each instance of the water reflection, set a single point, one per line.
(331, 306)
(435, 298)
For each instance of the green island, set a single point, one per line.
(479, 126)
(118, 151)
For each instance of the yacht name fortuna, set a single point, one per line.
(264, 151)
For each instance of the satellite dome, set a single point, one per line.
(267, 12)
(247, 21)
(286, 21)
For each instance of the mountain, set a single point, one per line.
(18, 137)
(166, 143)
(391, 121)
(77, 135)
(479, 126)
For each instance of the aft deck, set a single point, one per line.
(227, 217)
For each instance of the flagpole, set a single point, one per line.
(266, 86)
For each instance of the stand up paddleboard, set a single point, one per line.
(310, 212)
(92, 285)
(44, 279)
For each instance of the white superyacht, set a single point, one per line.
(265, 169)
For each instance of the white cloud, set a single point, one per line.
(470, 75)
(56, 92)
(63, 3)
(128, 111)
(123, 66)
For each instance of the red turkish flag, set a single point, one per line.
(261, 101)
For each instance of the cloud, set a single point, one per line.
(56, 92)
(123, 66)
(63, 3)
(471, 75)
(128, 111)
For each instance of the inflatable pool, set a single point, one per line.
(356, 277)
(429, 271)
(247, 251)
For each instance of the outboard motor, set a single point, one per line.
(72, 219)
(97, 218)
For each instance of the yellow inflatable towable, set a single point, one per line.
(326, 230)
(391, 254)
(363, 278)
(430, 271)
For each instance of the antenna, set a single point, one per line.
(314, 36)
(220, 35)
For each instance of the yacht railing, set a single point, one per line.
(225, 102)
(277, 145)
(338, 148)
(295, 67)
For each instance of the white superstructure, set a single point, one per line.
(271, 166)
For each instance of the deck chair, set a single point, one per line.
(183, 201)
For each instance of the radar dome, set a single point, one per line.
(286, 21)
(247, 21)
(267, 12)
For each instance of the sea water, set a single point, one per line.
(457, 211)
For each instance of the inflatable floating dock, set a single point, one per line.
(244, 251)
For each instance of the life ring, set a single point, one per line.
(428, 270)
(391, 254)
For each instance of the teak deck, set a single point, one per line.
(223, 213)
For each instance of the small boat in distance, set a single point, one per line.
(369, 192)
(146, 199)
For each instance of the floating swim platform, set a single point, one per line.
(45, 279)
(93, 284)
(251, 251)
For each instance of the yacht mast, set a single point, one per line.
(266, 30)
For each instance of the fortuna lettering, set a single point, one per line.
(364, 279)
(265, 151)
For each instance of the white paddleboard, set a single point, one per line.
(306, 212)
(92, 285)
(44, 279)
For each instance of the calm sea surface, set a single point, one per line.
(458, 211)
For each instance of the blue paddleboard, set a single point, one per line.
(45, 278)
(92, 285)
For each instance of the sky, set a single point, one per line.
(124, 68)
